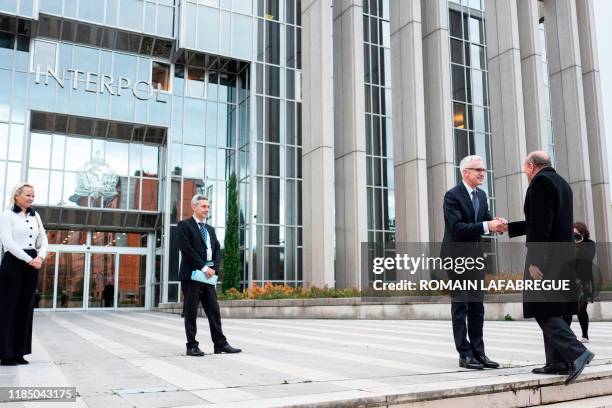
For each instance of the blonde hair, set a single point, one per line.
(16, 191)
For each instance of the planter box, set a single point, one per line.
(497, 306)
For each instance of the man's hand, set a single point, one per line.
(497, 226)
(210, 272)
(535, 272)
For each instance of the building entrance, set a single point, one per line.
(96, 270)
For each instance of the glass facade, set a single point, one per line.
(546, 82)
(470, 95)
(277, 185)
(379, 139)
(119, 111)
(469, 82)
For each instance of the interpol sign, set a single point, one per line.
(101, 83)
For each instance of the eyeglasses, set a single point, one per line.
(479, 170)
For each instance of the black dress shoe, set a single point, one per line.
(22, 361)
(195, 352)
(484, 360)
(560, 368)
(578, 365)
(8, 362)
(226, 349)
(471, 363)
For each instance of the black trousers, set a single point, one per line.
(18, 283)
(468, 320)
(583, 318)
(195, 293)
(560, 343)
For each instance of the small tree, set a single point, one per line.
(231, 255)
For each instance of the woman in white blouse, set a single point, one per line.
(24, 243)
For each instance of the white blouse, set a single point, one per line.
(19, 232)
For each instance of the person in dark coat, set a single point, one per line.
(583, 267)
(466, 219)
(200, 249)
(548, 228)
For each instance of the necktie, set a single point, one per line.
(203, 232)
(475, 204)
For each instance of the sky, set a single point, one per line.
(603, 27)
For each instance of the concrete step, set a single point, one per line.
(592, 389)
(597, 402)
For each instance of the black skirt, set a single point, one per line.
(18, 282)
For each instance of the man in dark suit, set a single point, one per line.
(200, 249)
(549, 219)
(466, 219)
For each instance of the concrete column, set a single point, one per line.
(596, 135)
(349, 147)
(438, 111)
(567, 103)
(409, 146)
(532, 74)
(317, 144)
(506, 100)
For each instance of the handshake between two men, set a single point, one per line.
(498, 225)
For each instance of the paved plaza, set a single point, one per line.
(136, 359)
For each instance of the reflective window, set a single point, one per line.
(471, 131)
(91, 10)
(130, 14)
(76, 171)
(165, 21)
(44, 55)
(195, 82)
(160, 76)
(208, 29)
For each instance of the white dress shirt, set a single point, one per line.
(208, 246)
(19, 232)
(485, 224)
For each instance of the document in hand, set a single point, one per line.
(200, 276)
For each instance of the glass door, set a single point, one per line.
(70, 274)
(113, 274)
(102, 272)
(132, 276)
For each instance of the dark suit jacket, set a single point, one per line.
(462, 228)
(193, 248)
(548, 219)
(460, 222)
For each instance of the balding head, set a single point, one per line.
(535, 162)
(539, 159)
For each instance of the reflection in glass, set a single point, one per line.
(70, 280)
(212, 113)
(64, 237)
(458, 82)
(459, 120)
(40, 180)
(43, 298)
(149, 194)
(16, 142)
(102, 280)
(193, 161)
(116, 154)
(78, 152)
(45, 55)
(160, 76)
(195, 82)
(69, 188)
(40, 147)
